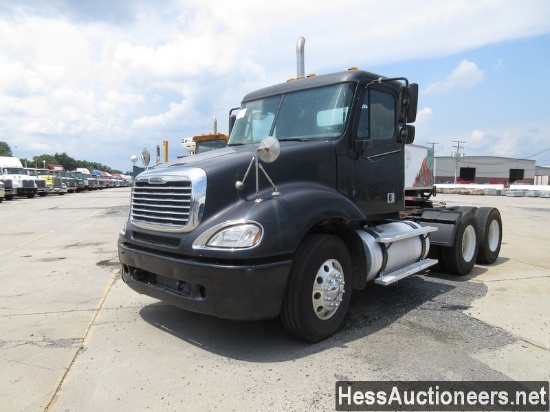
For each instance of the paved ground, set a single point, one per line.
(73, 337)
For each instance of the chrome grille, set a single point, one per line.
(41, 183)
(162, 204)
(28, 184)
(168, 199)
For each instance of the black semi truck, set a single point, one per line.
(305, 204)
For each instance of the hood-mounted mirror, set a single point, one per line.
(145, 158)
(268, 151)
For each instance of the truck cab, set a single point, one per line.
(306, 203)
(52, 183)
(16, 179)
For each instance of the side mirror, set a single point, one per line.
(232, 120)
(413, 103)
(408, 98)
(406, 134)
(145, 157)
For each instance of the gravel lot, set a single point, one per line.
(73, 337)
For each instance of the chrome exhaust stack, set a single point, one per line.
(300, 57)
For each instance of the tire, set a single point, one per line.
(490, 234)
(30, 195)
(9, 197)
(320, 270)
(435, 253)
(459, 260)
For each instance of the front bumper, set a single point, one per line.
(240, 292)
(24, 191)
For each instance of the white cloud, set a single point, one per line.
(422, 125)
(466, 75)
(519, 140)
(142, 73)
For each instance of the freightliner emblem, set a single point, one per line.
(156, 180)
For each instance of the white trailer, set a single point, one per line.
(419, 171)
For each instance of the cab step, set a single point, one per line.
(416, 267)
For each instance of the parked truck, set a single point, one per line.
(90, 182)
(42, 182)
(205, 142)
(52, 183)
(42, 190)
(16, 179)
(307, 203)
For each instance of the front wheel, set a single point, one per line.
(460, 259)
(316, 298)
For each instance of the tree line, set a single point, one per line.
(59, 159)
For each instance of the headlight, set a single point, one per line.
(236, 234)
(240, 236)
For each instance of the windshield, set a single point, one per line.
(15, 171)
(319, 114)
(207, 145)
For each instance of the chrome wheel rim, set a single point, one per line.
(493, 236)
(469, 243)
(328, 289)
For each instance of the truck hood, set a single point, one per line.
(299, 163)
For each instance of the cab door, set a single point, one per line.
(379, 160)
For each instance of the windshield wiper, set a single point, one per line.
(294, 139)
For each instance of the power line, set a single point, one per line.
(536, 154)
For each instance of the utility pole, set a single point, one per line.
(433, 155)
(433, 145)
(457, 155)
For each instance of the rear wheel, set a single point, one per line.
(460, 259)
(490, 234)
(316, 300)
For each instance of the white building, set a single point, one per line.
(542, 175)
(484, 169)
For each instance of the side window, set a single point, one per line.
(363, 129)
(382, 115)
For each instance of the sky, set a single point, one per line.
(101, 80)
